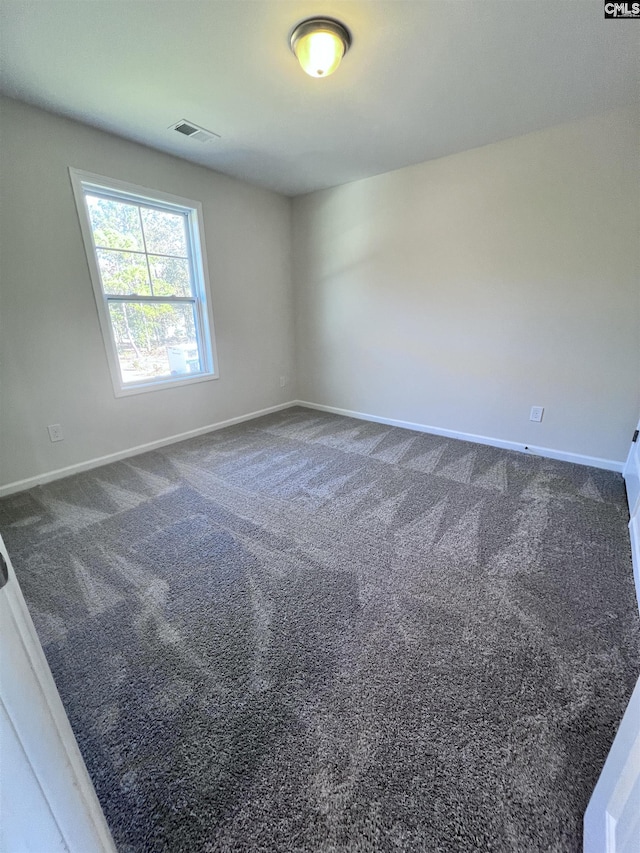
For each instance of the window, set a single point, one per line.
(148, 266)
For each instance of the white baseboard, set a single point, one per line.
(607, 464)
(78, 467)
(49, 476)
(548, 452)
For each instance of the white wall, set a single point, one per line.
(460, 292)
(54, 368)
(455, 294)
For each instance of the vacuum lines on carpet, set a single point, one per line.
(309, 633)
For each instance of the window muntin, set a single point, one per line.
(147, 261)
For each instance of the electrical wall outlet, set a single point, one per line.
(283, 381)
(536, 413)
(55, 432)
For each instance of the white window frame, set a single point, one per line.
(82, 182)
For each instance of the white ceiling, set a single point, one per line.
(423, 79)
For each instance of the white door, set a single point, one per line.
(47, 801)
(612, 819)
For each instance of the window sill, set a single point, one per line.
(162, 384)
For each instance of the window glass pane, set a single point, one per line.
(164, 232)
(170, 276)
(123, 273)
(115, 225)
(155, 340)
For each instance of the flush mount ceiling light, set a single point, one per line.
(319, 44)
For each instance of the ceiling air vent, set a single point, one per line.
(188, 128)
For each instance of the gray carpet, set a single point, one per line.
(309, 633)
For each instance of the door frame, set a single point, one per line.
(36, 715)
(617, 792)
(631, 474)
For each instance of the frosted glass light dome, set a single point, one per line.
(319, 45)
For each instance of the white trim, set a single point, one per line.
(631, 474)
(133, 190)
(548, 452)
(78, 467)
(161, 384)
(49, 476)
(634, 533)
